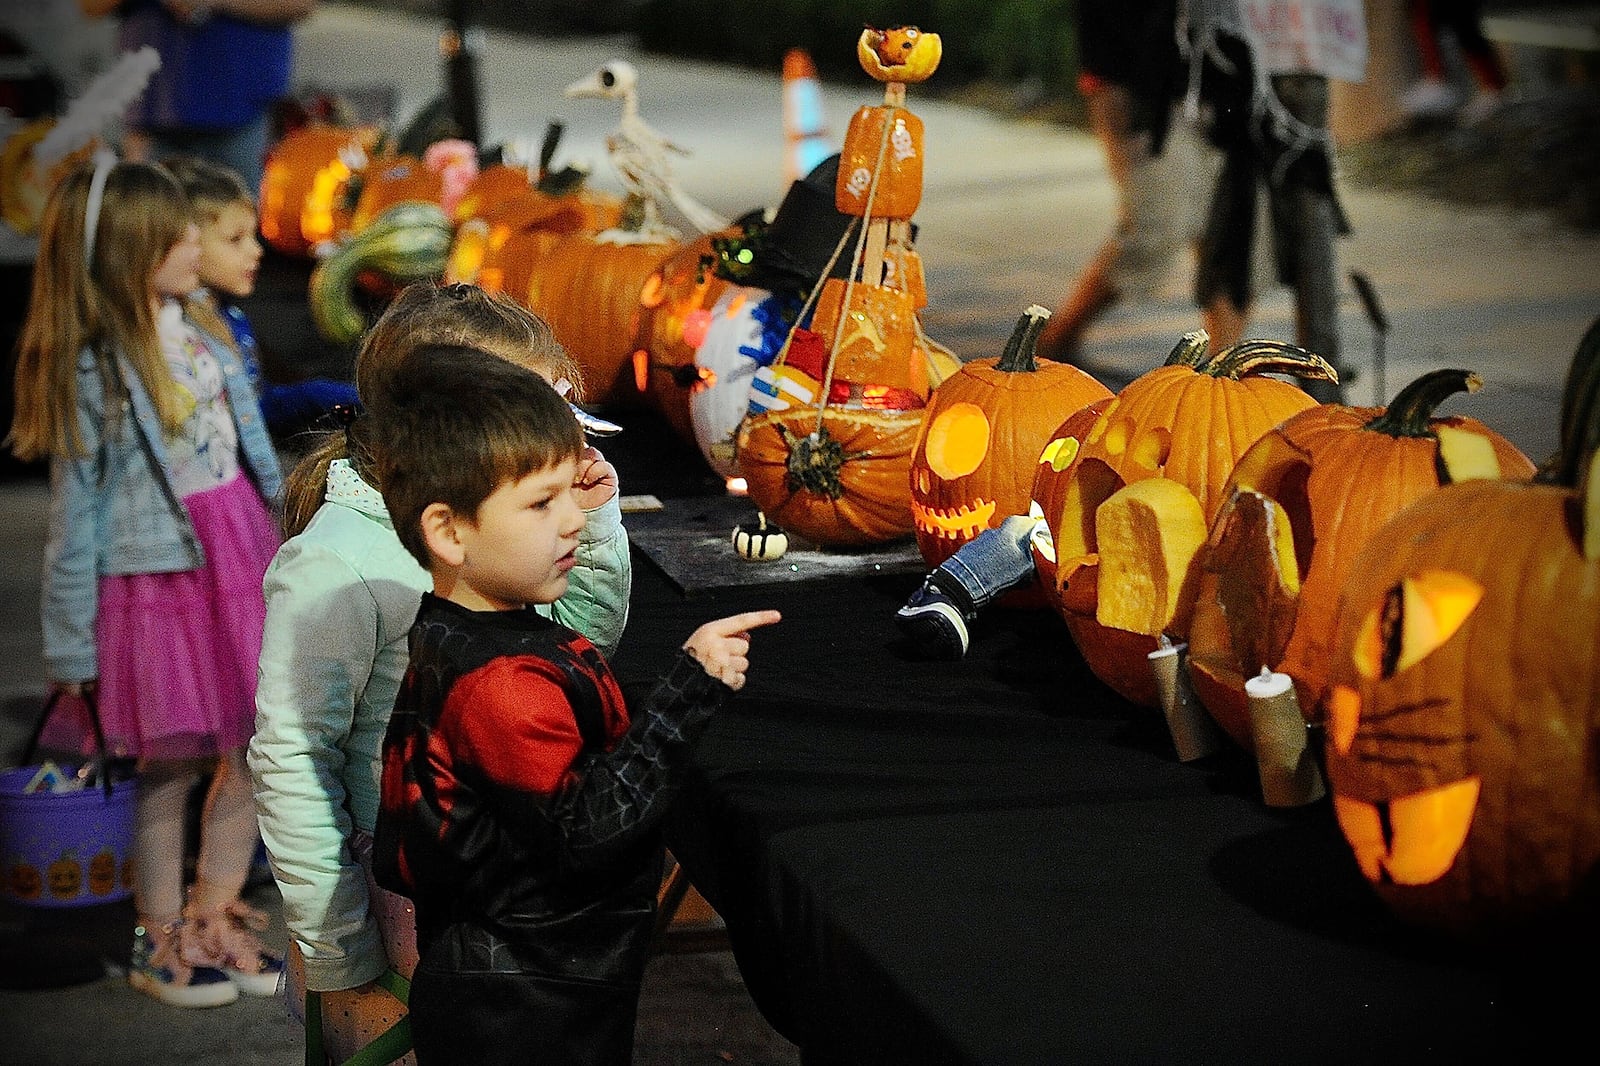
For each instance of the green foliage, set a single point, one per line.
(984, 40)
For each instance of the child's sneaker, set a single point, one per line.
(1429, 98)
(245, 961)
(158, 969)
(931, 617)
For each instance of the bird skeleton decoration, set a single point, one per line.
(640, 156)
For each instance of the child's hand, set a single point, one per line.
(596, 481)
(722, 647)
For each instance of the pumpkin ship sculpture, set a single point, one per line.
(829, 454)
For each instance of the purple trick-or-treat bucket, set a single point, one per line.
(65, 849)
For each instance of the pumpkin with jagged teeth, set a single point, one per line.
(985, 428)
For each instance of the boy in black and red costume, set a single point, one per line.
(521, 801)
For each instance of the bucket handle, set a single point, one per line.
(99, 734)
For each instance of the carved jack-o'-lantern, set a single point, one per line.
(305, 183)
(25, 881)
(1318, 485)
(1149, 477)
(1052, 495)
(1463, 713)
(674, 305)
(986, 424)
(65, 877)
(103, 873)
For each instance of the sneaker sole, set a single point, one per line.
(215, 994)
(938, 625)
(255, 984)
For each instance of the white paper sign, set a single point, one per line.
(1327, 37)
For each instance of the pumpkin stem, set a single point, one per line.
(1278, 357)
(1410, 413)
(1580, 415)
(815, 462)
(1019, 356)
(1190, 350)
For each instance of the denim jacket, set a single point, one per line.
(113, 510)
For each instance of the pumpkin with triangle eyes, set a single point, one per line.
(1301, 502)
(1463, 713)
(986, 425)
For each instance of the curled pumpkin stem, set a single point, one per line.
(1580, 415)
(1275, 357)
(1410, 413)
(816, 462)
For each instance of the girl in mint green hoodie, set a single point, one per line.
(341, 595)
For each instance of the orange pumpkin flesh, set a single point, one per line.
(1188, 422)
(1334, 474)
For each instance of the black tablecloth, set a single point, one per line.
(999, 861)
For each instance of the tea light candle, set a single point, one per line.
(1289, 773)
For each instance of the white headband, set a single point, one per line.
(104, 160)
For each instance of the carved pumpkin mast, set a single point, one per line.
(864, 367)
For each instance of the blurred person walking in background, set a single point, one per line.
(1131, 80)
(223, 65)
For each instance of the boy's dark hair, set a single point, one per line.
(459, 423)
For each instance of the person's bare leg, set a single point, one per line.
(1091, 295)
(1224, 321)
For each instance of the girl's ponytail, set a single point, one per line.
(306, 485)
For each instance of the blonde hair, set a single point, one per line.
(104, 303)
(423, 315)
(210, 187)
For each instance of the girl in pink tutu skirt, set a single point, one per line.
(160, 532)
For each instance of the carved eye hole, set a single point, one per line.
(608, 77)
(1059, 453)
(1416, 616)
(957, 441)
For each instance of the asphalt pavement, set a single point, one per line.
(1011, 209)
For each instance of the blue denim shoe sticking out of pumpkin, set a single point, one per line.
(931, 618)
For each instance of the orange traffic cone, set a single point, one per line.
(806, 138)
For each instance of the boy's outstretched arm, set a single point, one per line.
(613, 797)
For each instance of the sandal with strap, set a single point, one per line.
(170, 965)
(228, 933)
